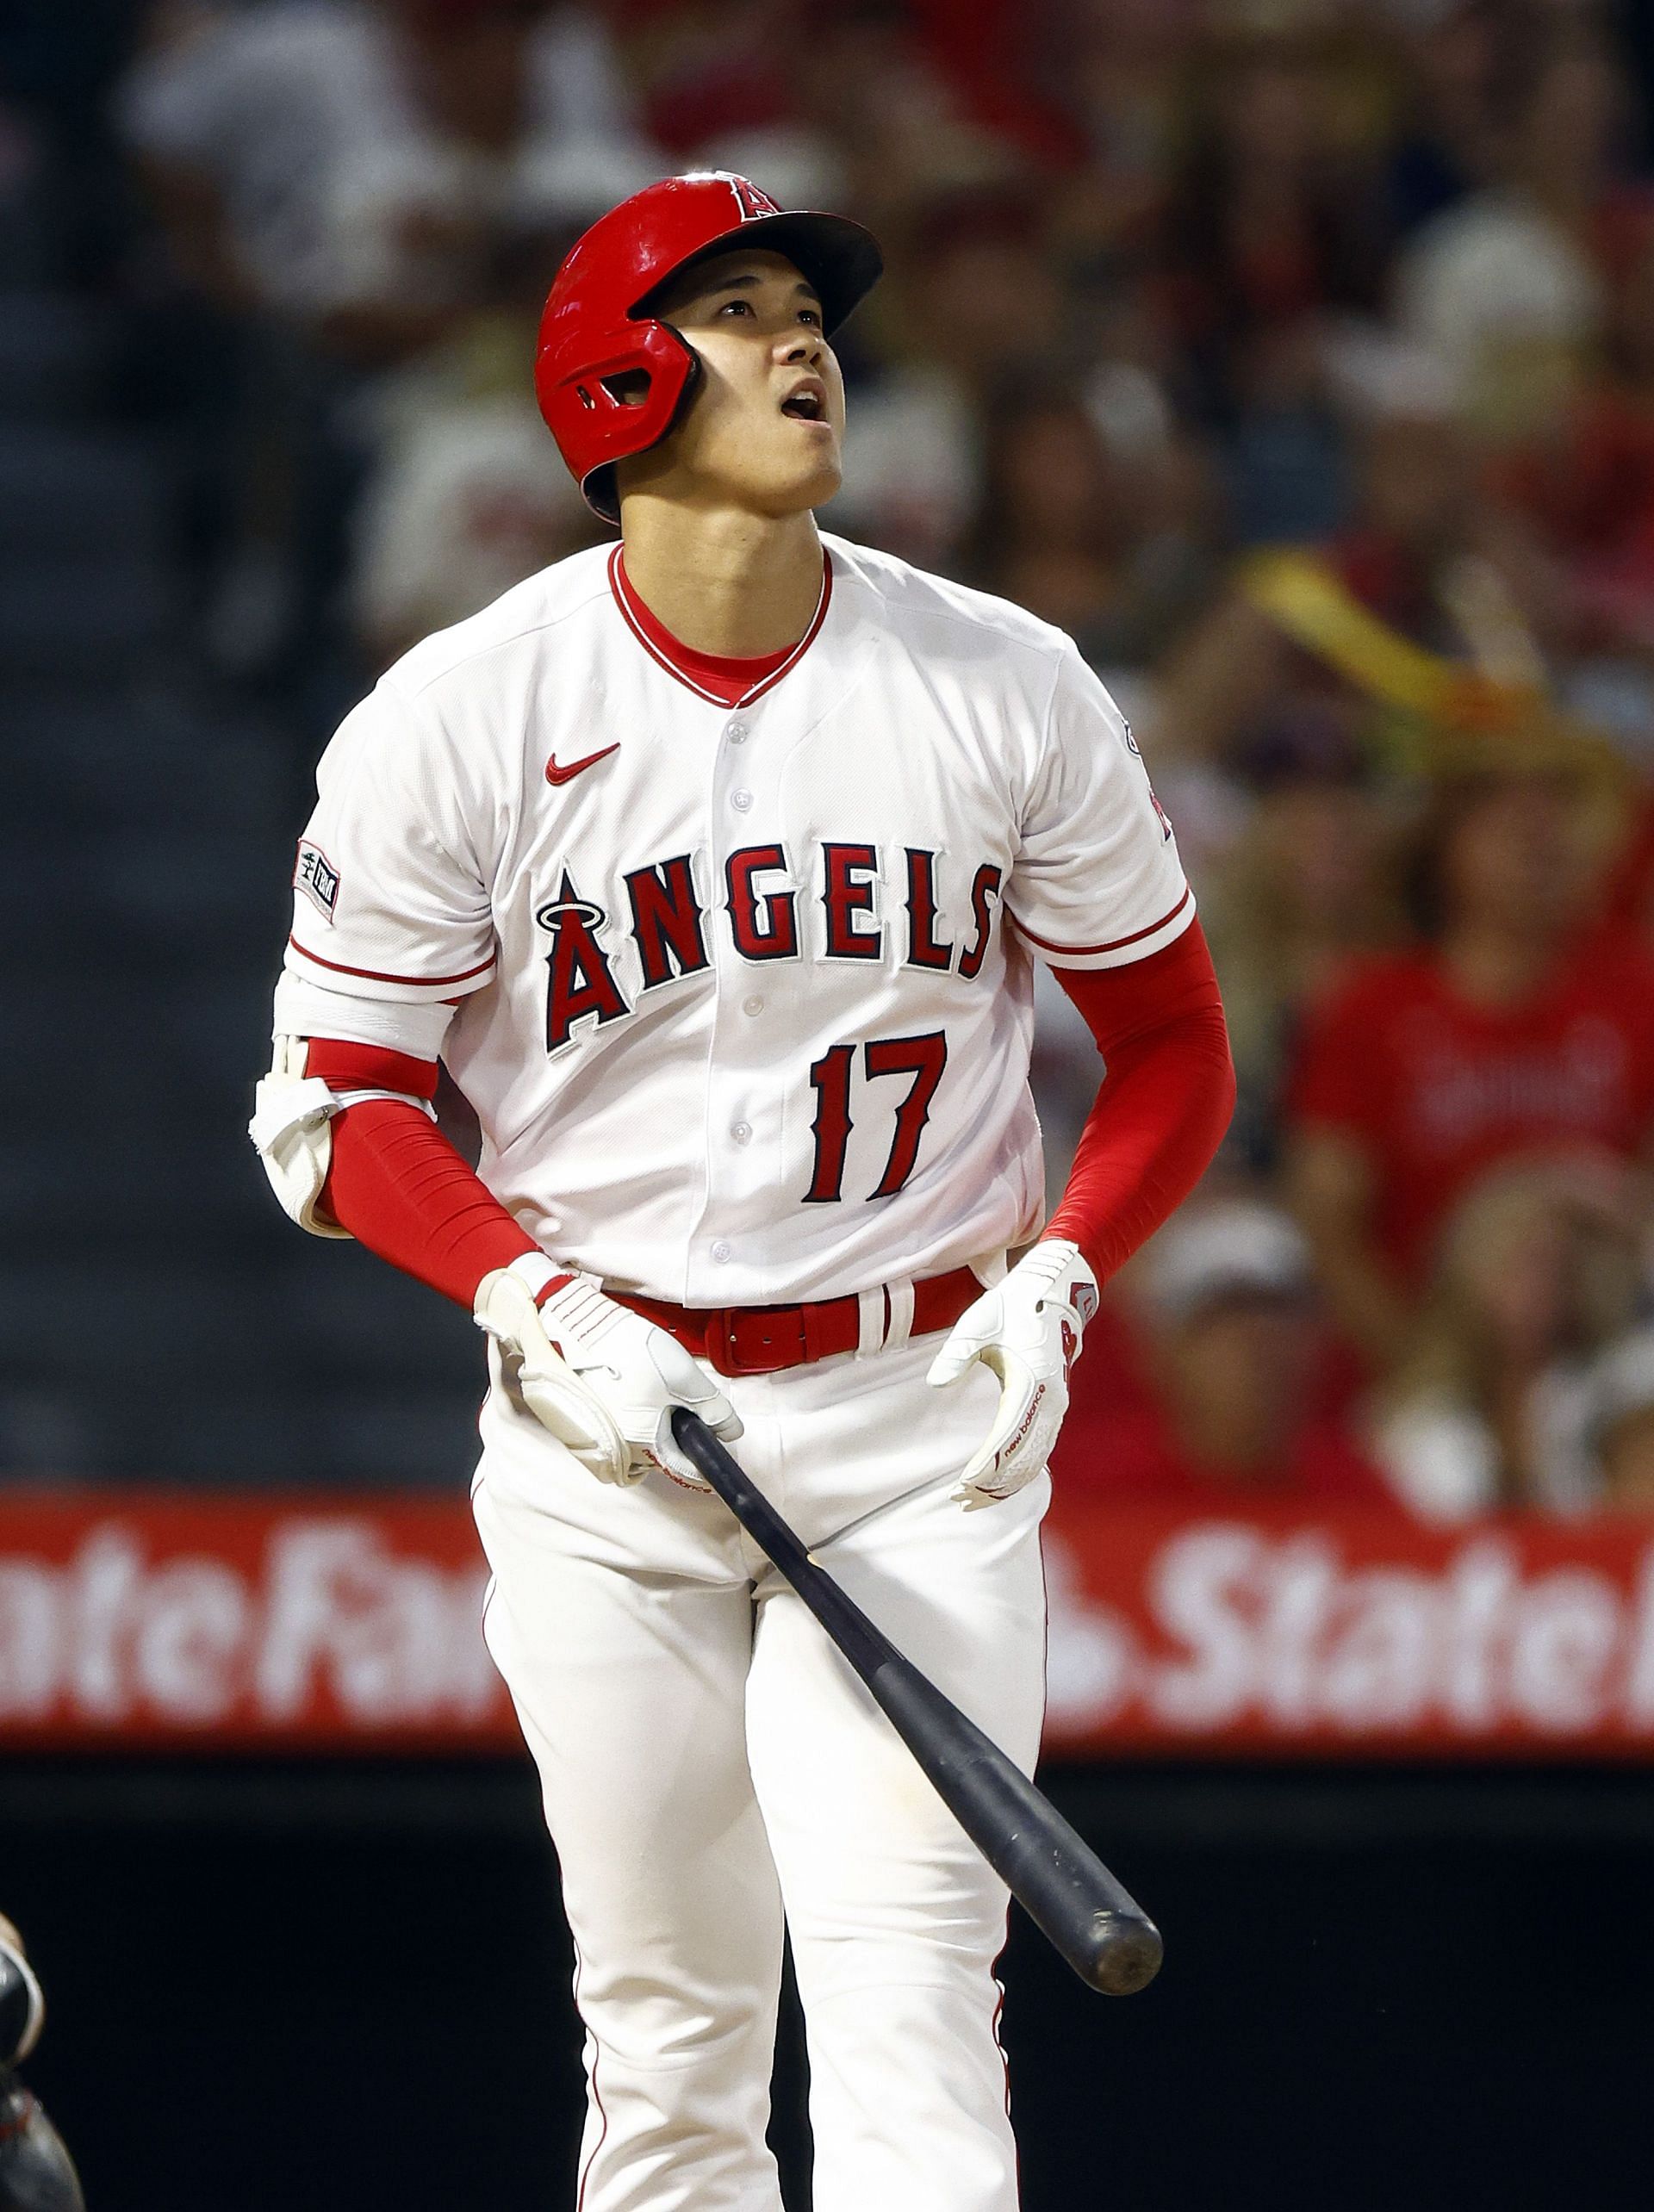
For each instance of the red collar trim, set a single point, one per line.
(711, 676)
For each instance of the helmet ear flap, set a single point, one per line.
(644, 401)
(622, 402)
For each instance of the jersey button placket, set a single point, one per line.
(734, 801)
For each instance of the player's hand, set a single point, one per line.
(600, 1378)
(1026, 1330)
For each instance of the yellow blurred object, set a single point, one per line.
(1451, 718)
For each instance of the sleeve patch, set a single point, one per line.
(316, 876)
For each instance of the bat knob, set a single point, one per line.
(1124, 1954)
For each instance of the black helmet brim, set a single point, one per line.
(838, 257)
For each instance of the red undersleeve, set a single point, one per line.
(398, 1185)
(1165, 1102)
(371, 1067)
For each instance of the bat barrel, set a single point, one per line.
(1082, 1909)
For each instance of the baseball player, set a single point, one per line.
(714, 866)
(36, 2172)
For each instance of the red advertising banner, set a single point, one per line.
(247, 1623)
(157, 1622)
(1362, 1633)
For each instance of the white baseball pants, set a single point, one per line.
(709, 1762)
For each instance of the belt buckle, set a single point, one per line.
(730, 1354)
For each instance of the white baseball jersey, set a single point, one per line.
(744, 995)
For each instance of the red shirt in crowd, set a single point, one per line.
(1120, 1443)
(1144, 1458)
(1436, 1089)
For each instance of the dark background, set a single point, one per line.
(346, 1986)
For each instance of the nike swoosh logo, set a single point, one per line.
(554, 774)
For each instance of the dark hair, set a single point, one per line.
(1453, 801)
(1029, 400)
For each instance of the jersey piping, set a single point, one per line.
(383, 975)
(1115, 944)
(631, 606)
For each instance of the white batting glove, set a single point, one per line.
(1027, 1331)
(600, 1377)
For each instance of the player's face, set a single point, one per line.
(765, 429)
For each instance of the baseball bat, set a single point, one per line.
(1066, 1891)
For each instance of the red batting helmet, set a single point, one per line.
(597, 330)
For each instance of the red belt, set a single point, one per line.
(764, 1339)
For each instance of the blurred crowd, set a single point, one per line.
(1296, 359)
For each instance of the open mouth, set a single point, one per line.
(808, 404)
